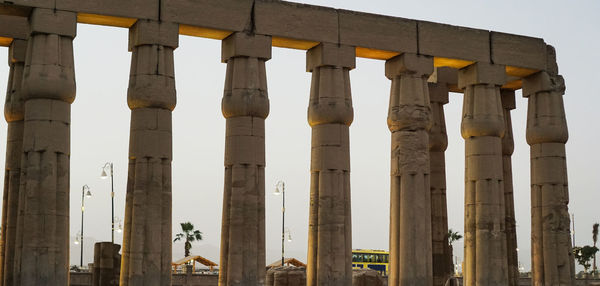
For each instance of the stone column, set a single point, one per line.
(106, 264)
(482, 128)
(508, 146)
(245, 106)
(438, 142)
(48, 89)
(409, 119)
(147, 240)
(14, 114)
(286, 276)
(547, 134)
(330, 114)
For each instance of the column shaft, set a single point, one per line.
(547, 134)
(330, 114)
(508, 146)
(438, 142)
(146, 256)
(14, 114)
(245, 106)
(48, 87)
(482, 128)
(409, 119)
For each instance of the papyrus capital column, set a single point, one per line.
(245, 106)
(409, 120)
(547, 133)
(482, 128)
(151, 96)
(14, 112)
(438, 142)
(508, 147)
(330, 114)
(48, 89)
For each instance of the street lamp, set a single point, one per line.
(109, 165)
(280, 189)
(79, 238)
(120, 227)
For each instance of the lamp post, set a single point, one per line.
(109, 165)
(280, 189)
(79, 238)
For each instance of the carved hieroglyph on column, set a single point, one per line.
(482, 128)
(245, 106)
(13, 113)
(146, 256)
(552, 260)
(330, 114)
(409, 119)
(508, 146)
(438, 142)
(48, 88)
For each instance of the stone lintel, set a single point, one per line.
(227, 15)
(137, 9)
(148, 32)
(50, 21)
(296, 21)
(241, 44)
(438, 92)
(455, 42)
(328, 54)
(419, 65)
(542, 82)
(518, 51)
(551, 65)
(17, 51)
(508, 99)
(445, 75)
(15, 27)
(481, 73)
(371, 31)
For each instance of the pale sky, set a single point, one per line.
(100, 127)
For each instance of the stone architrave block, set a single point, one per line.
(408, 63)
(16, 27)
(542, 81)
(454, 42)
(230, 15)
(481, 73)
(377, 32)
(551, 64)
(148, 32)
(242, 44)
(445, 75)
(139, 9)
(50, 4)
(17, 51)
(49, 21)
(519, 51)
(296, 21)
(327, 54)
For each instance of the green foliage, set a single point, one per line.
(189, 234)
(453, 236)
(584, 254)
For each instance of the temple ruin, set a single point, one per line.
(424, 62)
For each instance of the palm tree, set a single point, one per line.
(189, 234)
(453, 236)
(595, 239)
